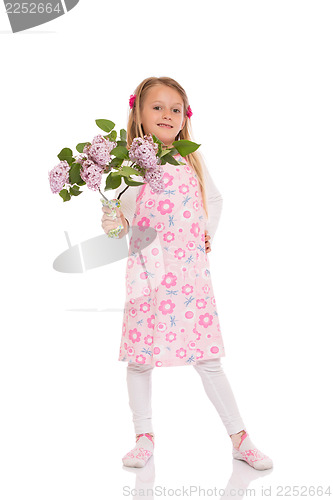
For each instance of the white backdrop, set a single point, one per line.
(259, 79)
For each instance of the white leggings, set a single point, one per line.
(217, 387)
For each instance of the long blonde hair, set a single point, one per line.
(134, 128)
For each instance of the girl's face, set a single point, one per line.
(163, 106)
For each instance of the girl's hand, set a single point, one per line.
(108, 223)
(207, 244)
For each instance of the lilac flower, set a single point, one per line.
(99, 150)
(154, 177)
(143, 152)
(80, 158)
(58, 176)
(92, 173)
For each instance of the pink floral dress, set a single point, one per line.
(170, 316)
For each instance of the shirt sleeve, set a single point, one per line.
(127, 199)
(214, 202)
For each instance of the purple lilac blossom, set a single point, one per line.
(91, 173)
(58, 176)
(155, 179)
(99, 150)
(143, 152)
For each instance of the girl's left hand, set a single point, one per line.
(207, 244)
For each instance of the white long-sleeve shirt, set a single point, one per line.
(213, 195)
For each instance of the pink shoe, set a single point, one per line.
(139, 456)
(250, 454)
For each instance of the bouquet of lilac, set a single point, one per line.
(107, 155)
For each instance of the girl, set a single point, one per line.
(170, 316)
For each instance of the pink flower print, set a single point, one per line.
(146, 290)
(129, 289)
(125, 346)
(197, 194)
(201, 303)
(159, 227)
(142, 259)
(193, 181)
(187, 214)
(169, 280)
(196, 205)
(191, 245)
(179, 254)
(205, 320)
(151, 321)
(130, 262)
(167, 306)
(213, 301)
(165, 207)
(187, 289)
(188, 169)
(157, 350)
(130, 351)
(143, 275)
(197, 333)
(150, 203)
(134, 335)
(137, 243)
(183, 189)
(132, 312)
(170, 337)
(181, 353)
(169, 236)
(195, 229)
(213, 349)
(149, 339)
(158, 363)
(206, 289)
(202, 237)
(143, 223)
(167, 178)
(199, 354)
(145, 307)
(161, 327)
(140, 359)
(192, 345)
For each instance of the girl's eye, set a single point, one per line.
(177, 110)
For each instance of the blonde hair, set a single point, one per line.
(134, 128)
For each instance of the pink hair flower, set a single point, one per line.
(131, 101)
(189, 112)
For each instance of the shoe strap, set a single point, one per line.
(147, 435)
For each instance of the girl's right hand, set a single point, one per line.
(108, 223)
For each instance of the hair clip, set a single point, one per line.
(131, 101)
(189, 112)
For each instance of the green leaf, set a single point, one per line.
(185, 147)
(112, 181)
(157, 140)
(116, 162)
(165, 152)
(105, 125)
(74, 174)
(127, 171)
(65, 154)
(65, 195)
(169, 159)
(120, 152)
(123, 135)
(113, 135)
(80, 146)
(130, 182)
(75, 190)
(121, 143)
